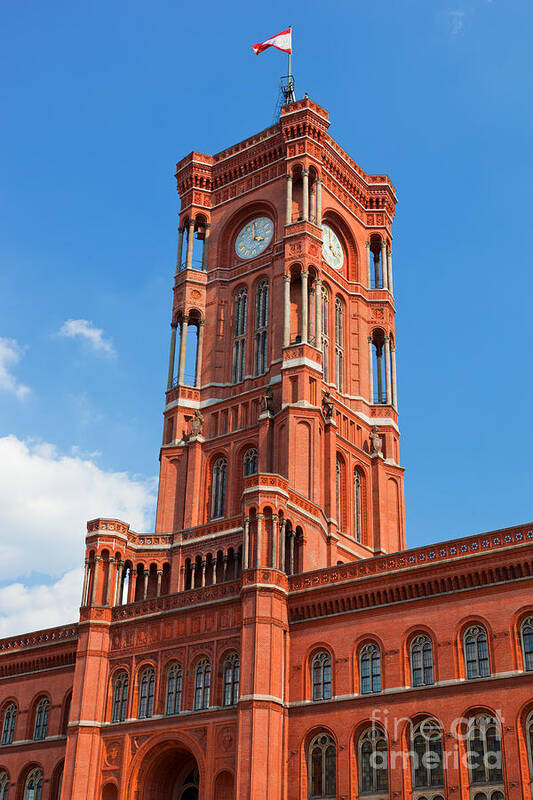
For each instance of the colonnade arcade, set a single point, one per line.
(382, 368)
(271, 540)
(193, 238)
(190, 350)
(304, 195)
(111, 580)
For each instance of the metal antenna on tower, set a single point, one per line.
(285, 94)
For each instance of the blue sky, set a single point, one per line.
(99, 100)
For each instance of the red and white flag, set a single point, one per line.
(283, 41)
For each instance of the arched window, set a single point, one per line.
(321, 676)
(322, 767)
(527, 643)
(339, 344)
(146, 693)
(174, 688)
(239, 335)
(484, 755)
(4, 785)
(261, 328)
(357, 506)
(370, 669)
(340, 495)
(325, 333)
(421, 661)
(373, 762)
(34, 785)
(202, 685)
(529, 743)
(231, 680)
(41, 719)
(219, 488)
(427, 763)
(8, 725)
(476, 652)
(250, 462)
(120, 697)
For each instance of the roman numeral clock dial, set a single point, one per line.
(254, 237)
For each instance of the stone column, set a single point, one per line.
(305, 194)
(319, 201)
(275, 534)
(202, 573)
(246, 543)
(368, 271)
(370, 371)
(225, 573)
(183, 350)
(282, 526)
(206, 245)
(385, 282)
(180, 249)
(119, 588)
(215, 562)
(292, 537)
(305, 305)
(171, 357)
(376, 270)
(389, 268)
(110, 565)
(132, 584)
(288, 217)
(387, 371)
(312, 203)
(286, 309)
(190, 240)
(199, 353)
(85, 579)
(379, 366)
(96, 576)
(258, 541)
(159, 579)
(318, 313)
(393, 367)
(146, 575)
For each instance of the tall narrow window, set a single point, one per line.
(338, 491)
(34, 785)
(174, 688)
(421, 661)
(370, 669)
(120, 697)
(325, 333)
(219, 488)
(41, 719)
(373, 762)
(427, 756)
(202, 685)
(261, 328)
(476, 652)
(357, 506)
(339, 344)
(4, 785)
(322, 767)
(529, 743)
(231, 680)
(8, 725)
(484, 754)
(321, 676)
(146, 693)
(239, 335)
(527, 643)
(250, 462)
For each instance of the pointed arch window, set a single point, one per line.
(250, 462)
(325, 333)
(357, 506)
(339, 344)
(120, 697)
(427, 763)
(476, 652)
(4, 785)
(527, 643)
(373, 763)
(219, 488)
(174, 689)
(239, 335)
(41, 719)
(421, 661)
(231, 680)
(370, 669)
(261, 328)
(321, 676)
(146, 693)
(34, 785)
(8, 725)
(322, 767)
(202, 685)
(484, 755)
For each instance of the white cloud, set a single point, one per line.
(457, 21)
(10, 354)
(29, 608)
(46, 499)
(86, 330)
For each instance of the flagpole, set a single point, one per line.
(290, 54)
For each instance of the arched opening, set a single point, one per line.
(377, 268)
(172, 772)
(109, 792)
(224, 789)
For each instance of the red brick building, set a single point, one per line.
(273, 638)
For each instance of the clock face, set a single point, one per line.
(254, 237)
(332, 248)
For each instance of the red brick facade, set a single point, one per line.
(273, 639)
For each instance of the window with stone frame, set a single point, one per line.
(322, 768)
